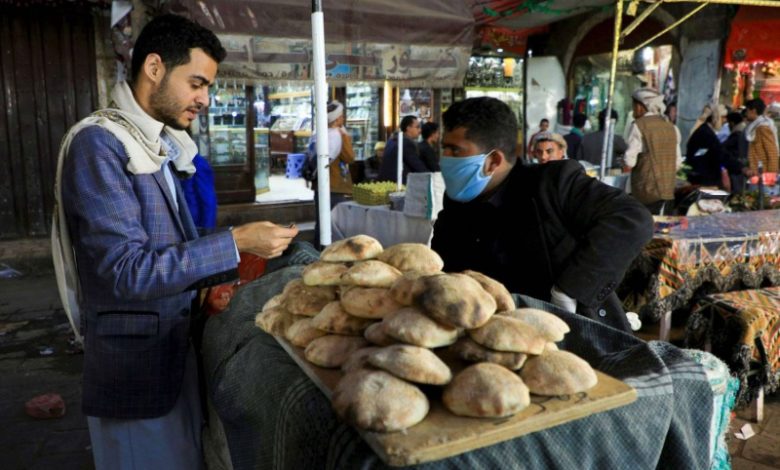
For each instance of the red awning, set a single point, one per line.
(754, 36)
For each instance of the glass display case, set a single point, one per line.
(362, 118)
(291, 108)
(415, 102)
(223, 138)
(262, 160)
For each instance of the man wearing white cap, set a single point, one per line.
(548, 147)
(341, 155)
(653, 154)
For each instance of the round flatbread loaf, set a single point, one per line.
(558, 373)
(486, 390)
(551, 347)
(333, 350)
(334, 319)
(301, 299)
(274, 301)
(359, 359)
(275, 321)
(503, 333)
(357, 248)
(301, 333)
(402, 291)
(412, 257)
(371, 273)
(468, 350)
(368, 302)
(454, 299)
(377, 401)
(321, 273)
(412, 326)
(412, 363)
(504, 300)
(548, 325)
(376, 334)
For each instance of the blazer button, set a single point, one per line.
(602, 312)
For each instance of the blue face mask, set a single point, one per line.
(464, 178)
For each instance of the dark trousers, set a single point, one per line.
(335, 198)
(660, 207)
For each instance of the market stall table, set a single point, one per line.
(743, 329)
(274, 416)
(388, 226)
(723, 252)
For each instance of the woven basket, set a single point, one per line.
(368, 198)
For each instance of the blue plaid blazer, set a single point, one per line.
(139, 261)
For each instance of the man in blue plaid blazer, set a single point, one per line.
(138, 255)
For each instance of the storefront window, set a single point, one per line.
(648, 67)
(363, 118)
(500, 78)
(416, 102)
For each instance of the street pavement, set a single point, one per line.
(37, 357)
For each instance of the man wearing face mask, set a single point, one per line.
(547, 231)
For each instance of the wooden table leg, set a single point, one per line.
(666, 326)
(757, 407)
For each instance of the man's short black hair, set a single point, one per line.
(756, 104)
(579, 120)
(733, 118)
(489, 123)
(543, 121)
(406, 122)
(428, 129)
(602, 118)
(172, 37)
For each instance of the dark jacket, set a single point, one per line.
(592, 144)
(549, 225)
(573, 142)
(704, 154)
(428, 156)
(389, 166)
(734, 153)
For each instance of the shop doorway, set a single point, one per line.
(47, 83)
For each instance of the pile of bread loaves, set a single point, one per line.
(380, 314)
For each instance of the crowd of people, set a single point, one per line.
(724, 150)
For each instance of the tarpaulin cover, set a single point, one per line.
(753, 36)
(414, 43)
(275, 417)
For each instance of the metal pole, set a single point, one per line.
(672, 26)
(609, 131)
(754, 3)
(400, 163)
(639, 19)
(321, 119)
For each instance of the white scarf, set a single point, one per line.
(750, 130)
(139, 134)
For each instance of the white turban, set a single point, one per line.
(651, 99)
(336, 112)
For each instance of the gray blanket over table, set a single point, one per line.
(274, 417)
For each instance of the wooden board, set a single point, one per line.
(442, 434)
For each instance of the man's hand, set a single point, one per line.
(264, 239)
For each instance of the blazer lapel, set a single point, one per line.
(184, 212)
(160, 178)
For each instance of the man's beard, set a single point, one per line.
(165, 107)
